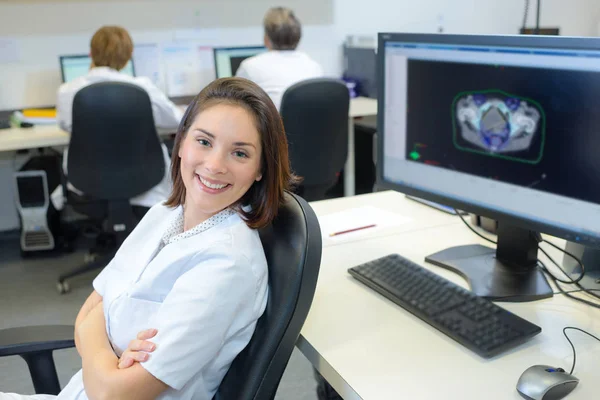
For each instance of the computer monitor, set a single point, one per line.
(74, 66)
(228, 59)
(360, 65)
(501, 126)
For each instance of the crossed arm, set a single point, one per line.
(102, 377)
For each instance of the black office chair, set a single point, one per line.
(315, 117)
(292, 245)
(114, 154)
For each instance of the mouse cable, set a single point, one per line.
(570, 281)
(571, 343)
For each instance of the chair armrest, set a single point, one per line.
(31, 339)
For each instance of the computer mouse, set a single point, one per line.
(543, 382)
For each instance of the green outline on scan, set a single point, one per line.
(543, 130)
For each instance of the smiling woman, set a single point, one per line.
(182, 296)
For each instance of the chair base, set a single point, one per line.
(98, 261)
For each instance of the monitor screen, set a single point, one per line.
(228, 59)
(75, 66)
(504, 128)
(31, 191)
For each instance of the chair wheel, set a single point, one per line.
(63, 287)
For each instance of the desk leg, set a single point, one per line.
(349, 175)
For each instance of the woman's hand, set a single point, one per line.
(138, 349)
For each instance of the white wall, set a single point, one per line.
(359, 17)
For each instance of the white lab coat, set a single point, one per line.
(203, 293)
(165, 113)
(277, 70)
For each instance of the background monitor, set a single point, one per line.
(502, 126)
(72, 67)
(31, 190)
(228, 59)
(360, 65)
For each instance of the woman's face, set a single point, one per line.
(220, 158)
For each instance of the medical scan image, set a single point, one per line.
(496, 122)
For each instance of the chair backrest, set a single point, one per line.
(114, 151)
(292, 245)
(315, 117)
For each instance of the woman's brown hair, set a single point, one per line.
(265, 196)
(112, 47)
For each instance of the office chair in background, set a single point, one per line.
(114, 154)
(315, 117)
(292, 245)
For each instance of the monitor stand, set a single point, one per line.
(507, 273)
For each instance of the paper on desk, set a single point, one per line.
(9, 50)
(358, 217)
(146, 57)
(189, 68)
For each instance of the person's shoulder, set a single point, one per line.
(158, 212)
(258, 61)
(144, 82)
(73, 86)
(235, 234)
(240, 242)
(310, 61)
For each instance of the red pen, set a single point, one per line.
(352, 230)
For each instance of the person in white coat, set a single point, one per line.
(182, 296)
(282, 66)
(111, 49)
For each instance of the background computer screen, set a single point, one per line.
(505, 129)
(31, 191)
(228, 60)
(75, 66)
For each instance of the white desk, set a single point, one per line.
(29, 138)
(42, 136)
(359, 107)
(368, 348)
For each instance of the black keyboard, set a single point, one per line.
(476, 323)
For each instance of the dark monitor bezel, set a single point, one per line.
(73, 56)
(218, 49)
(538, 41)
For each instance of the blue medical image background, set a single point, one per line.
(570, 165)
(532, 153)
